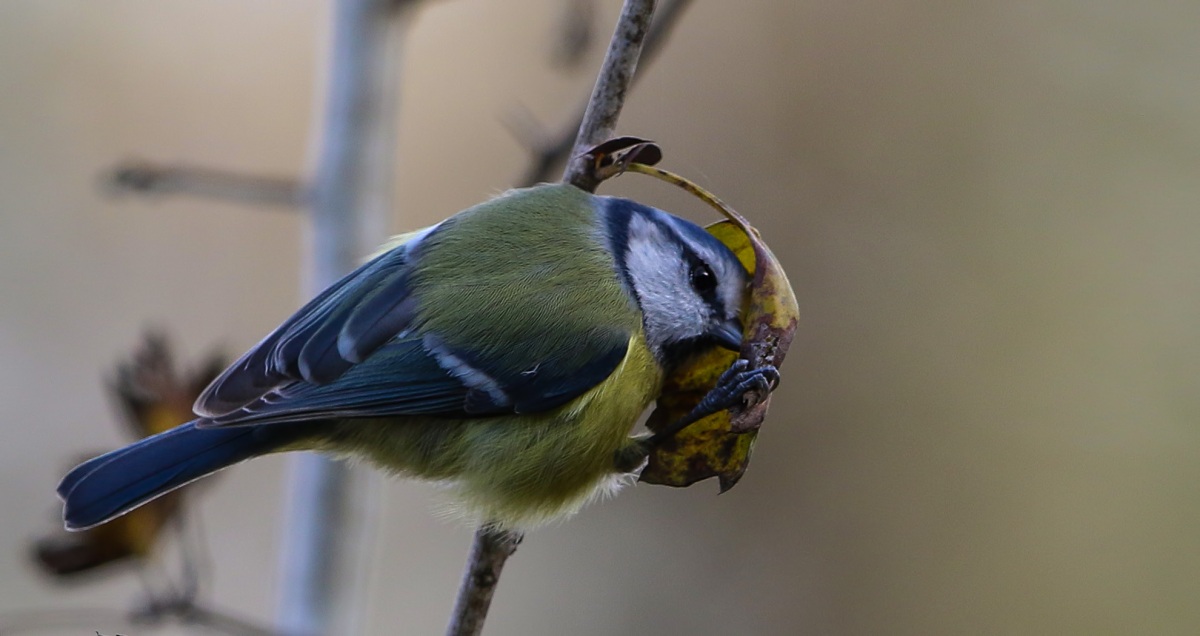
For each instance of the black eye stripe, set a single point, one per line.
(620, 215)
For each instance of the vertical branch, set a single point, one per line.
(608, 96)
(330, 507)
(491, 549)
(492, 546)
(549, 154)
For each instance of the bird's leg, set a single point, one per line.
(633, 455)
(736, 382)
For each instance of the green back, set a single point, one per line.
(530, 272)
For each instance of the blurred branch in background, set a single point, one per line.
(115, 623)
(144, 177)
(209, 183)
(331, 507)
(577, 29)
(550, 152)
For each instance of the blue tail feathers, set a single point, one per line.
(116, 482)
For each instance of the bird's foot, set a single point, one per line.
(731, 391)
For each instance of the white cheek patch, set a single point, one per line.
(650, 260)
(672, 311)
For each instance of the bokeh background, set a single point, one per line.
(988, 423)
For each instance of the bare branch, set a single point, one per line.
(608, 96)
(492, 547)
(489, 552)
(547, 155)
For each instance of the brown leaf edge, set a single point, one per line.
(612, 157)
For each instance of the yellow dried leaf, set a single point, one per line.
(720, 444)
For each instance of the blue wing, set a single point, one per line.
(357, 350)
(306, 346)
(406, 378)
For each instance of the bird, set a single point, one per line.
(507, 352)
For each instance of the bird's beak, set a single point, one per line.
(729, 335)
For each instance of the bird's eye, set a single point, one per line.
(703, 279)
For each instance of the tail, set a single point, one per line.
(117, 482)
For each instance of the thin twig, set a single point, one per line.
(549, 155)
(491, 549)
(210, 183)
(608, 96)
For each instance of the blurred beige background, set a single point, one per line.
(988, 424)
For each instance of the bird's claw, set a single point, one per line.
(739, 387)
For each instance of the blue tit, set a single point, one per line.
(507, 351)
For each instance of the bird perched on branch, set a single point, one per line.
(508, 351)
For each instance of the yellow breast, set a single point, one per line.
(518, 470)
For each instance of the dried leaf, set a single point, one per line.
(610, 158)
(720, 444)
(771, 322)
(154, 395)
